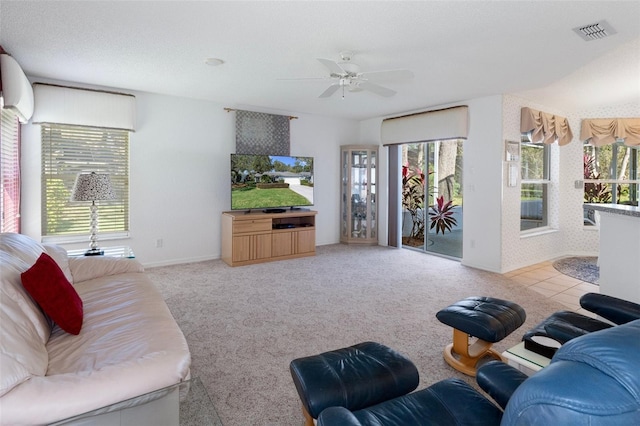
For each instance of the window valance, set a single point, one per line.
(442, 124)
(604, 131)
(544, 127)
(83, 107)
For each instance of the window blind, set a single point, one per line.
(68, 150)
(10, 172)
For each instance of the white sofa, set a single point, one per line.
(129, 343)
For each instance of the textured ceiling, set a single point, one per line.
(457, 50)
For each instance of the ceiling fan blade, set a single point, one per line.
(332, 66)
(387, 74)
(377, 89)
(303, 78)
(330, 90)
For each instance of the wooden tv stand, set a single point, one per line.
(249, 238)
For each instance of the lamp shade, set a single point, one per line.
(92, 187)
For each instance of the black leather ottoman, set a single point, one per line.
(355, 377)
(488, 319)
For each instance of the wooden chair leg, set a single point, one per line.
(464, 356)
(308, 420)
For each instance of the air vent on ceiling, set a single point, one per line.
(595, 31)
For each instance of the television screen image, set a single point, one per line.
(270, 182)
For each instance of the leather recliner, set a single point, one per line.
(591, 380)
(562, 326)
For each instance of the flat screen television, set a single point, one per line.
(271, 182)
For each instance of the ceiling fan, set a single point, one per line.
(346, 75)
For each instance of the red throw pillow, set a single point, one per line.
(48, 286)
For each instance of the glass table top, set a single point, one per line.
(117, 251)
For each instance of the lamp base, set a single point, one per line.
(94, 252)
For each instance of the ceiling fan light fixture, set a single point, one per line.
(350, 68)
(347, 75)
(214, 62)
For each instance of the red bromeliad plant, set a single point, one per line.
(441, 215)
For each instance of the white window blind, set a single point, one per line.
(68, 150)
(10, 172)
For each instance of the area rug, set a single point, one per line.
(584, 268)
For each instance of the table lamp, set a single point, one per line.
(93, 187)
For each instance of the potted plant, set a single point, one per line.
(441, 215)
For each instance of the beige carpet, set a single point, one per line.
(245, 324)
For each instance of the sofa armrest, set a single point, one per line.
(333, 416)
(499, 380)
(90, 267)
(612, 308)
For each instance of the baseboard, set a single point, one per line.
(566, 254)
(481, 267)
(181, 261)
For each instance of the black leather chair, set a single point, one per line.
(592, 380)
(563, 326)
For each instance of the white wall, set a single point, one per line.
(522, 250)
(180, 165)
(482, 177)
(179, 172)
(481, 181)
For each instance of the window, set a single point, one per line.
(610, 176)
(9, 172)
(69, 150)
(534, 190)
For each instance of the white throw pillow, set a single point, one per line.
(59, 255)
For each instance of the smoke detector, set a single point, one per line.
(595, 31)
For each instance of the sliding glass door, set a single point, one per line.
(432, 197)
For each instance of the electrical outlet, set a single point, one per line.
(159, 243)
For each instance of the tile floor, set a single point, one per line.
(546, 280)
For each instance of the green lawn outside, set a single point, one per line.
(260, 198)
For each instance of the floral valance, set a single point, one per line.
(544, 127)
(604, 131)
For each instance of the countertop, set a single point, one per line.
(615, 209)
